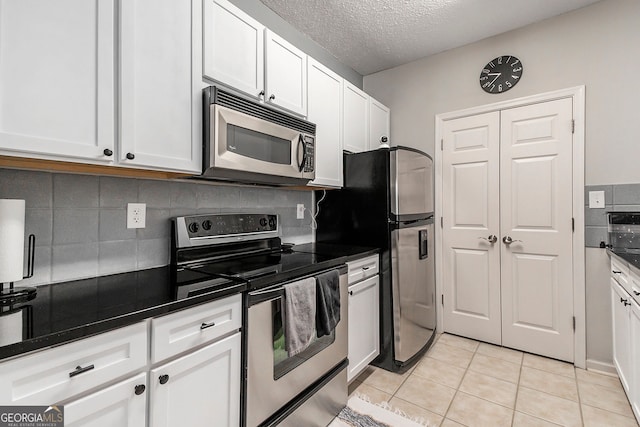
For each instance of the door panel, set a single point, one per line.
(536, 211)
(471, 264)
(471, 281)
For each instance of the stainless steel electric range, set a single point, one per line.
(213, 252)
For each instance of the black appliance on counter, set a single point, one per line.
(213, 252)
(387, 202)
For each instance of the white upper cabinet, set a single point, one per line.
(233, 47)
(160, 100)
(355, 135)
(379, 123)
(285, 74)
(325, 110)
(57, 79)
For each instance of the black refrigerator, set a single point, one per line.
(387, 202)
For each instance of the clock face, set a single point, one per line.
(501, 74)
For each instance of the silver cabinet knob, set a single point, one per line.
(491, 239)
(507, 240)
(272, 97)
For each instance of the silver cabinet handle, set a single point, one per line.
(507, 240)
(636, 293)
(616, 272)
(491, 239)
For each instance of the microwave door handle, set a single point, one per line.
(302, 162)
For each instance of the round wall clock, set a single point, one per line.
(501, 74)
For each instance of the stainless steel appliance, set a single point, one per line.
(387, 202)
(213, 253)
(248, 141)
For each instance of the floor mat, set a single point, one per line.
(360, 412)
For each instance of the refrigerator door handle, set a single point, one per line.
(422, 244)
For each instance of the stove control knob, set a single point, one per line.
(194, 227)
(263, 222)
(206, 224)
(272, 223)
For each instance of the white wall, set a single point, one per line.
(596, 46)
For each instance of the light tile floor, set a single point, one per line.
(461, 382)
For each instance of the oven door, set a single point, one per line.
(273, 378)
(245, 143)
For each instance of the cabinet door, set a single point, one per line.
(364, 332)
(355, 133)
(118, 405)
(57, 79)
(286, 74)
(160, 103)
(621, 333)
(379, 123)
(198, 390)
(233, 47)
(634, 380)
(325, 110)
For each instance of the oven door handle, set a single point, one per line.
(256, 297)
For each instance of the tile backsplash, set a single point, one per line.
(617, 197)
(80, 220)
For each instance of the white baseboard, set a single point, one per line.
(601, 367)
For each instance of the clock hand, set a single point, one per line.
(495, 78)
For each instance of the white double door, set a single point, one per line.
(507, 229)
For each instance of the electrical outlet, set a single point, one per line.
(300, 211)
(136, 215)
(596, 200)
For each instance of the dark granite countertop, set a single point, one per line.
(631, 256)
(63, 312)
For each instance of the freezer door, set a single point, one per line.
(411, 175)
(413, 288)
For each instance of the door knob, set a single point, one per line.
(491, 239)
(507, 240)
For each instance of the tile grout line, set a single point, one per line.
(515, 401)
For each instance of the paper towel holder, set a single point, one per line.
(18, 294)
(31, 254)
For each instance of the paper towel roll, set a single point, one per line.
(11, 240)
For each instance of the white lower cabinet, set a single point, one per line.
(364, 314)
(621, 333)
(110, 379)
(625, 312)
(364, 343)
(123, 405)
(199, 389)
(634, 380)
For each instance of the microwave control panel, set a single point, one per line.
(309, 147)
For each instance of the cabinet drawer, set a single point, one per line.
(362, 268)
(620, 272)
(633, 286)
(56, 374)
(178, 332)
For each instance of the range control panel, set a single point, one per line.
(219, 225)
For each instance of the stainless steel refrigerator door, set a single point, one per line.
(413, 287)
(411, 183)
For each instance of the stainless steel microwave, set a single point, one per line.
(247, 141)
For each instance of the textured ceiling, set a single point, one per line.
(373, 35)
